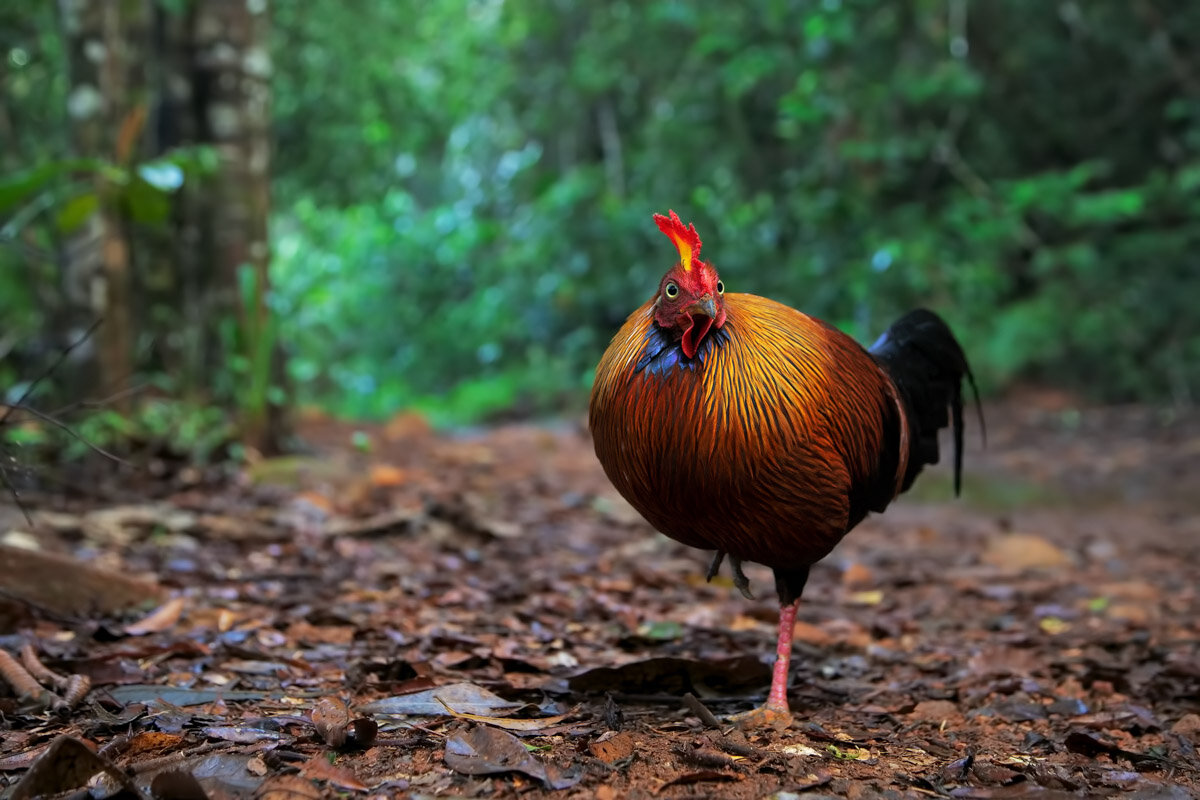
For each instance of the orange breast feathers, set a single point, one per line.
(761, 446)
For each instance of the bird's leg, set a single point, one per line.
(739, 578)
(775, 713)
(715, 566)
(777, 698)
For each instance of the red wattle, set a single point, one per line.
(694, 335)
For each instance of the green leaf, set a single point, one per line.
(19, 187)
(662, 630)
(1101, 208)
(146, 204)
(76, 211)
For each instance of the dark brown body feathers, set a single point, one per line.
(771, 447)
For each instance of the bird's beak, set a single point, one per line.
(705, 306)
(700, 316)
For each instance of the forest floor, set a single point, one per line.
(408, 614)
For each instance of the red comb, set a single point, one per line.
(686, 240)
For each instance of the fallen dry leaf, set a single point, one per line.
(66, 765)
(162, 618)
(287, 787)
(384, 591)
(465, 698)
(676, 676)
(69, 588)
(318, 768)
(151, 743)
(484, 750)
(177, 784)
(333, 722)
(507, 723)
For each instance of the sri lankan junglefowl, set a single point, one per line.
(736, 424)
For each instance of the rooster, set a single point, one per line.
(736, 424)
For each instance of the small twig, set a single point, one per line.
(62, 356)
(69, 431)
(103, 401)
(422, 728)
(738, 748)
(20, 403)
(703, 756)
(43, 674)
(155, 764)
(114, 746)
(701, 711)
(16, 495)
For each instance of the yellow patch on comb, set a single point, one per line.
(684, 237)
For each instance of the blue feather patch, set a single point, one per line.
(661, 355)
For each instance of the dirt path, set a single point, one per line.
(1037, 638)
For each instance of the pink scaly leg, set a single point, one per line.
(775, 712)
(777, 699)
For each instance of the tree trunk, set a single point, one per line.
(201, 76)
(234, 65)
(105, 46)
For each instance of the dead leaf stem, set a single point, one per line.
(43, 674)
(19, 678)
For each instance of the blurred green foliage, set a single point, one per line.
(158, 427)
(463, 189)
(33, 90)
(466, 187)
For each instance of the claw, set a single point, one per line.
(739, 578)
(718, 557)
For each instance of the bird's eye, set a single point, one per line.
(720, 287)
(672, 291)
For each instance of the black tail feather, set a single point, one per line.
(928, 366)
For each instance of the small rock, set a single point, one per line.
(858, 575)
(1130, 612)
(1130, 590)
(1021, 551)
(810, 634)
(847, 633)
(937, 712)
(614, 748)
(1068, 707)
(1188, 725)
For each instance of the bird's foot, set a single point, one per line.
(766, 716)
(739, 578)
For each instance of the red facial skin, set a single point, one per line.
(696, 309)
